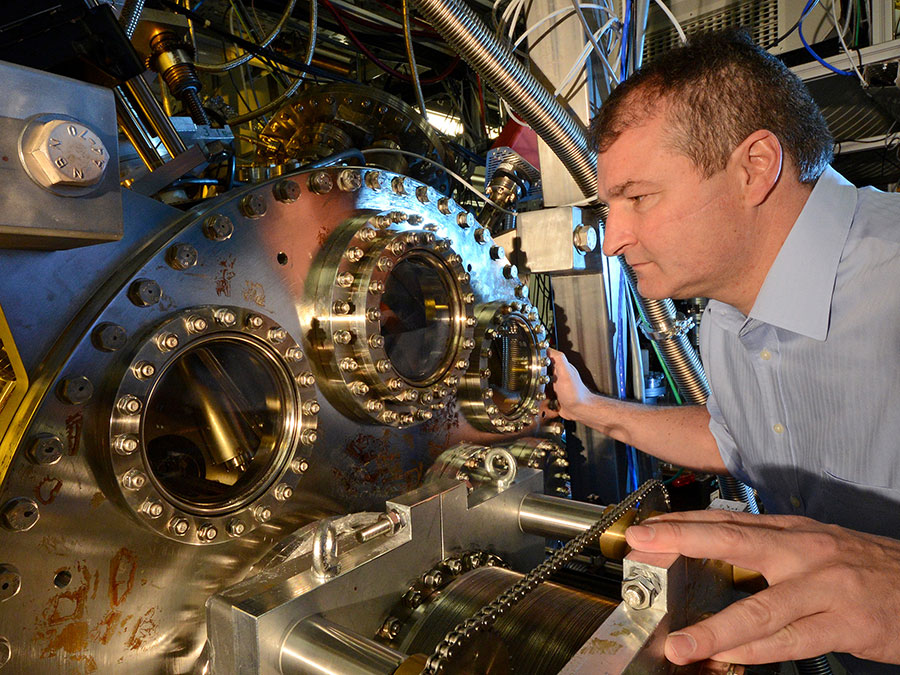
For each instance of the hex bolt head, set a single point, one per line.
(286, 191)
(294, 354)
(373, 405)
(181, 256)
(353, 254)
(225, 317)
(373, 180)
(343, 336)
(376, 341)
(521, 291)
(422, 194)
(348, 364)
(358, 388)
(255, 321)
(585, 238)
(125, 444)
(68, 153)
(75, 390)
(345, 279)
(376, 287)
(306, 379)
(510, 271)
(152, 508)
(432, 579)
(166, 342)
(19, 514)
(10, 582)
(444, 206)
(134, 479)
(196, 324)
(482, 236)
(320, 182)
(373, 314)
(179, 526)
(311, 407)
(398, 185)
(385, 264)
(129, 404)
(253, 206)
(639, 592)
(390, 629)
(383, 365)
(309, 437)
(262, 513)
(207, 532)
(283, 492)
(462, 219)
(349, 180)
(277, 334)
(108, 337)
(218, 227)
(235, 527)
(497, 252)
(143, 370)
(144, 292)
(468, 298)
(45, 449)
(341, 307)
(299, 466)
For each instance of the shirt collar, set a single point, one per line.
(796, 294)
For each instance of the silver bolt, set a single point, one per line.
(345, 279)
(235, 527)
(286, 191)
(348, 364)
(343, 337)
(397, 247)
(68, 153)
(143, 370)
(385, 264)
(510, 271)
(283, 492)
(424, 414)
(306, 379)
(349, 180)
(311, 407)
(383, 365)
(125, 444)
(179, 526)
(134, 479)
(299, 466)
(367, 234)
(253, 206)
(463, 277)
(397, 216)
(497, 253)
(585, 238)
(373, 405)
(225, 317)
(277, 334)
(262, 513)
(395, 384)
(152, 508)
(255, 321)
(108, 337)
(390, 629)
(218, 227)
(398, 185)
(207, 532)
(129, 404)
(166, 342)
(181, 256)
(196, 324)
(20, 514)
(358, 388)
(308, 436)
(432, 579)
(353, 254)
(639, 592)
(521, 291)
(373, 180)
(341, 307)
(10, 582)
(482, 236)
(320, 182)
(45, 449)
(376, 286)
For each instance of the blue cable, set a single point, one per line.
(626, 26)
(806, 10)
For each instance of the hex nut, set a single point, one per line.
(218, 227)
(320, 182)
(253, 206)
(373, 180)
(181, 256)
(75, 390)
(349, 180)
(179, 526)
(108, 337)
(20, 514)
(286, 191)
(585, 238)
(68, 153)
(45, 449)
(639, 592)
(10, 582)
(207, 532)
(144, 292)
(235, 527)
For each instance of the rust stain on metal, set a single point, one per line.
(47, 489)
(97, 499)
(375, 466)
(104, 630)
(74, 423)
(622, 631)
(144, 630)
(68, 605)
(323, 235)
(598, 646)
(255, 293)
(224, 276)
(122, 568)
(73, 638)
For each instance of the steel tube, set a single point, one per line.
(317, 646)
(556, 517)
(135, 132)
(161, 125)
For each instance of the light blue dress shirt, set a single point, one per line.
(805, 402)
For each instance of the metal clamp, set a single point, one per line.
(679, 327)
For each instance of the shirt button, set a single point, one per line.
(795, 501)
(778, 428)
(765, 355)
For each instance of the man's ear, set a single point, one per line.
(757, 165)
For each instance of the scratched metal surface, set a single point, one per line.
(135, 601)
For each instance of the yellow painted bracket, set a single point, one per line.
(13, 385)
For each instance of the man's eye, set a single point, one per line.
(637, 199)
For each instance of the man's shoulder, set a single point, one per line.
(877, 216)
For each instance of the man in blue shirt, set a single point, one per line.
(714, 165)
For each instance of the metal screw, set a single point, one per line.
(144, 292)
(424, 414)
(235, 527)
(181, 256)
(179, 526)
(225, 317)
(306, 379)
(218, 227)
(45, 449)
(299, 466)
(341, 307)
(311, 407)
(482, 236)
(207, 532)
(283, 492)
(255, 321)
(397, 247)
(412, 598)
(253, 206)
(196, 324)
(286, 191)
(108, 337)
(167, 342)
(398, 185)
(10, 582)
(353, 254)
(294, 354)
(497, 252)
(349, 180)
(444, 206)
(152, 508)
(395, 384)
(390, 629)
(20, 514)
(134, 479)
(143, 370)
(320, 182)
(463, 277)
(585, 238)
(385, 264)
(277, 334)
(383, 365)
(75, 390)
(125, 444)
(373, 405)
(510, 271)
(358, 388)
(376, 341)
(639, 592)
(262, 513)
(462, 219)
(376, 287)
(521, 291)
(129, 404)
(347, 364)
(373, 180)
(343, 336)
(309, 436)
(345, 279)
(422, 194)
(432, 579)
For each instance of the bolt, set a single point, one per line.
(347, 364)
(235, 527)
(253, 206)
(367, 234)
(152, 508)
(125, 444)
(358, 388)
(179, 526)
(349, 180)
(414, 218)
(412, 598)
(424, 414)
(308, 436)
(20, 514)
(277, 334)
(341, 307)
(306, 379)
(300, 466)
(390, 417)
(376, 287)
(353, 254)
(45, 449)
(497, 252)
(343, 337)
(129, 404)
(262, 513)
(5, 651)
(108, 337)
(373, 180)
(196, 324)
(382, 365)
(390, 629)
(181, 256)
(462, 219)
(639, 592)
(207, 532)
(144, 292)
(218, 227)
(143, 370)
(345, 279)
(471, 321)
(454, 259)
(373, 314)
(468, 298)
(10, 582)
(422, 194)
(75, 390)
(374, 405)
(255, 321)
(585, 238)
(320, 182)
(398, 185)
(432, 579)
(166, 342)
(385, 264)
(482, 236)
(397, 216)
(311, 407)
(286, 191)
(395, 384)
(397, 247)
(283, 492)
(225, 317)
(463, 277)
(68, 153)
(134, 479)
(444, 206)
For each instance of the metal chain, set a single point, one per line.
(488, 615)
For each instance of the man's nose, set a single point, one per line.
(618, 233)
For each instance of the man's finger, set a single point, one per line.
(805, 638)
(722, 516)
(746, 621)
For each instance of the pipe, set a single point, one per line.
(134, 131)
(143, 99)
(317, 646)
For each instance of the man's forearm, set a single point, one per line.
(679, 434)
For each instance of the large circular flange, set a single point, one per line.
(507, 374)
(200, 456)
(400, 321)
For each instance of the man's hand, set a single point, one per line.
(568, 388)
(830, 589)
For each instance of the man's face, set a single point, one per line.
(679, 231)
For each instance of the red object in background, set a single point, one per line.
(521, 139)
(684, 479)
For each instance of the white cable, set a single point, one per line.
(844, 46)
(671, 17)
(552, 15)
(582, 58)
(444, 169)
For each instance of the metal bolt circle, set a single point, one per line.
(253, 206)
(45, 449)
(108, 337)
(144, 292)
(181, 256)
(218, 227)
(75, 390)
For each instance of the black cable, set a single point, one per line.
(352, 153)
(792, 28)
